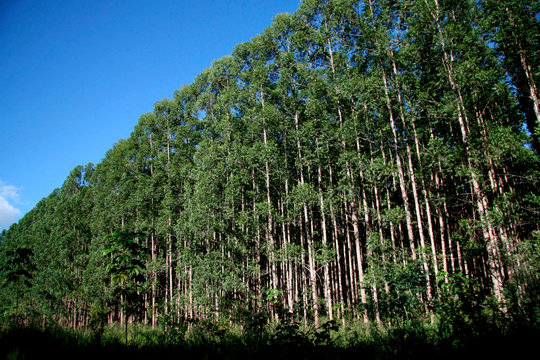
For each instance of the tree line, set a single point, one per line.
(363, 160)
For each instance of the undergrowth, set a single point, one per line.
(286, 340)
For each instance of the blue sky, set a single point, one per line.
(76, 75)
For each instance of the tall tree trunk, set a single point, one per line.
(309, 240)
(269, 229)
(327, 294)
(412, 176)
(480, 197)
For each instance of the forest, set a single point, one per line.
(359, 164)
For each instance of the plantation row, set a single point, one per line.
(370, 160)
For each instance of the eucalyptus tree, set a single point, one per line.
(515, 27)
(263, 143)
(34, 231)
(450, 53)
(219, 179)
(114, 180)
(17, 268)
(72, 226)
(166, 121)
(293, 67)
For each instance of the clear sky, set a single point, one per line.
(76, 75)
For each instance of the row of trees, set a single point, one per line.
(366, 160)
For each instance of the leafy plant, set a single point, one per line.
(126, 268)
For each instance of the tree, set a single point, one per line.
(515, 27)
(127, 270)
(18, 267)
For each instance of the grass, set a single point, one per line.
(206, 341)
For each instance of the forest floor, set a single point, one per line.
(287, 343)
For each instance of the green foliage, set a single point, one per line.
(127, 270)
(16, 268)
(126, 266)
(459, 305)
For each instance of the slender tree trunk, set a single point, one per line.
(327, 294)
(526, 68)
(340, 298)
(480, 196)
(269, 230)
(309, 240)
(401, 176)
